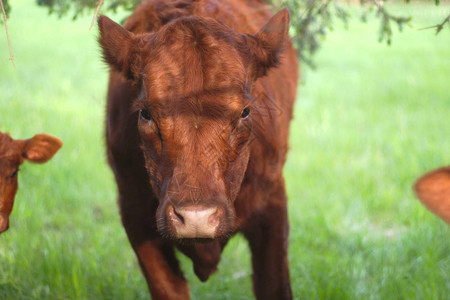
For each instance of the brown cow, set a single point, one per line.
(199, 103)
(38, 149)
(433, 189)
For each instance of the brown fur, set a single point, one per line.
(38, 149)
(433, 189)
(179, 141)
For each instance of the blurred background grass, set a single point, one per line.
(367, 123)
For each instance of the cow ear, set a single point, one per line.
(119, 47)
(433, 189)
(268, 43)
(40, 148)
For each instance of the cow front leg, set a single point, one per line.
(267, 233)
(161, 269)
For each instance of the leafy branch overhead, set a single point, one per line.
(78, 7)
(310, 22)
(313, 19)
(4, 11)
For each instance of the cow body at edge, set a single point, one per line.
(199, 103)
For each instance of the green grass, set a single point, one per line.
(369, 121)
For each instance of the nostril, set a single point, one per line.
(194, 221)
(178, 215)
(214, 218)
(175, 217)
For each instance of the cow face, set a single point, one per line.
(433, 189)
(38, 149)
(195, 113)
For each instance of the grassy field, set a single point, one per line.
(369, 121)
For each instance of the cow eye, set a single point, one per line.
(14, 174)
(145, 114)
(245, 113)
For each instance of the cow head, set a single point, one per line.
(195, 118)
(38, 149)
(433, 189)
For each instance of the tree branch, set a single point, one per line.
(438, 27)
(96, 12)
(11, 57)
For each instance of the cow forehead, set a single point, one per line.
(208, 105)
(9, 149)
(188, 59)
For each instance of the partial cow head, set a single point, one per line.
(196, 78)
(38, 149)
(433, 189)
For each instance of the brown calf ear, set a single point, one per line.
(40, 148)
(269, 42)
(119, 46)
(433, 189)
